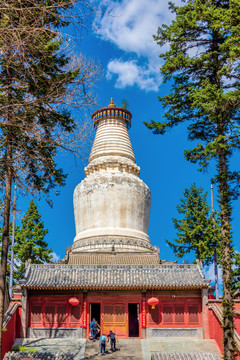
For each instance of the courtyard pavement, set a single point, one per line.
(127, 349)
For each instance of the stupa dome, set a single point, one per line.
(112, 204)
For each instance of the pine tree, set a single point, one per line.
(202, 64)
(38, 83)
(30, 242)
(195, 229)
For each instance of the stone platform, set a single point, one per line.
(128, 349)
(59, 345)
(180, 346)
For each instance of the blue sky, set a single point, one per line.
(120, 39)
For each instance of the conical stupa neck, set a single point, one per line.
(112, 139)
(112, 144)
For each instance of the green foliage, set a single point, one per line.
(9, 252)
(196, 230)
(24, 349)
(203, 68)
(202, 63)
(39, 82)
(29, 241)
(125, 104)
(236, 270)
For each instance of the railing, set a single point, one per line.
(11, 327)
(9, 313)
(218, 312)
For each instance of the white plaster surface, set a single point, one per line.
(112, 202)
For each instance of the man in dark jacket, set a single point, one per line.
(113, 339)
(95, 330)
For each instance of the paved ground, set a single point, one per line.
(127, 349)
(167, 345)
(57, 345)
(178, 345)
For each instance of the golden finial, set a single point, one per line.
(111, 103)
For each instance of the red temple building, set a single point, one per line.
(112, 272)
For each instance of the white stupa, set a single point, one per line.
(112, 204)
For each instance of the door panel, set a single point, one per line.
(108, 318)
(120, 320)
(114, 318)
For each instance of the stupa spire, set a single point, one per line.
(112, 139)
(111, 104)
(112, 203)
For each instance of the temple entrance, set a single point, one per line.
(95, 309)
(133, 322)
(114, 318)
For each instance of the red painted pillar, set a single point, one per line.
(85, 314)
(84, 323)
(144, 320)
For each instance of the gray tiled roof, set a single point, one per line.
(123, 258)
(185, 356)
(65, 276)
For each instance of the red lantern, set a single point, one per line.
(153, 302)
(73, 301)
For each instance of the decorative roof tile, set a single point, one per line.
(124, 258)
(65, 276)
(185, 356)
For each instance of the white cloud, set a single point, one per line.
(130, 25)
(129, 73)
(55, 257)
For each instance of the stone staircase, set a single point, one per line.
(128, 349)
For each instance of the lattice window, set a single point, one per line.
(153, 315)
(179, 313)
(167, 313)
(49, 315)
(75, 314)
(108, 313)
(61, 314)
(193, 313)
(36, 314)
(120, 313)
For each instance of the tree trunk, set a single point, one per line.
(7, 199)
(228, 305)
(5, 233)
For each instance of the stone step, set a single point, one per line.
(127, 349)
(185, 345)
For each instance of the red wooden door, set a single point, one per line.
(114, 318)
(108, 318)
(120, 320)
